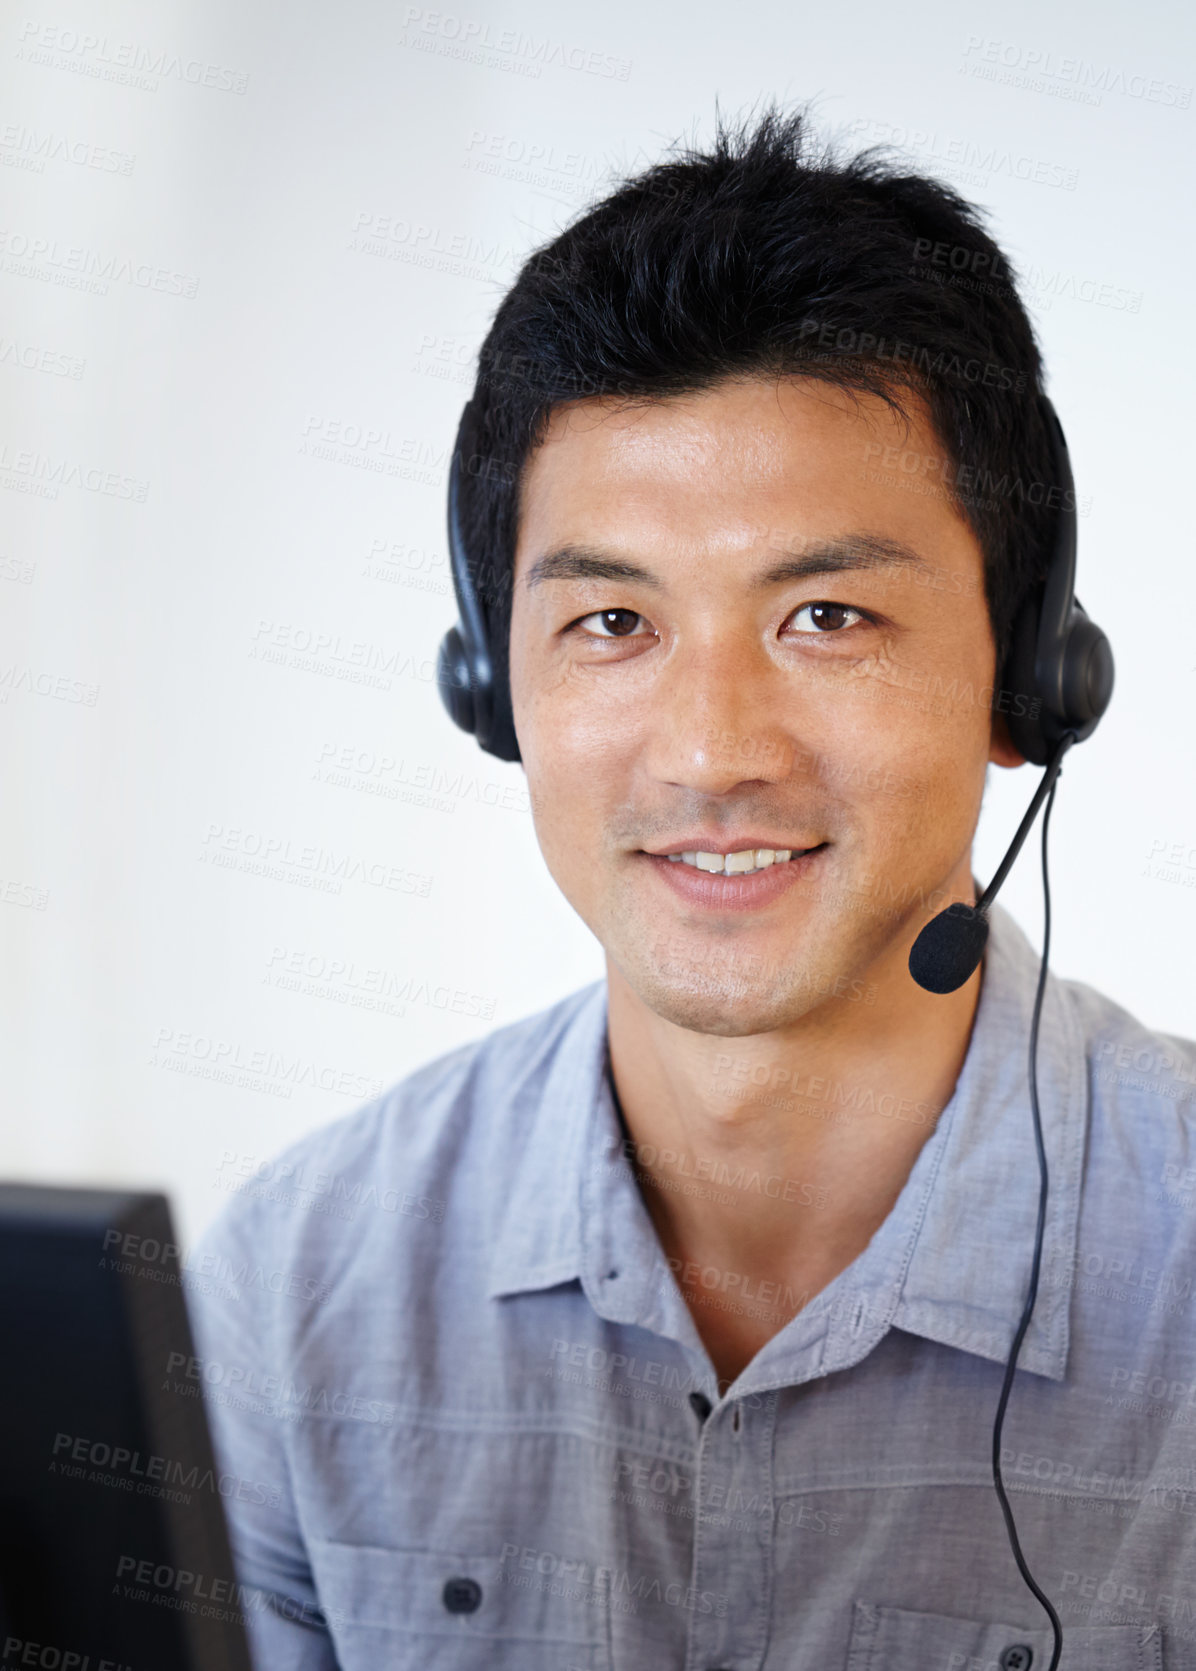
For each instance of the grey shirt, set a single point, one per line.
(473, 1426)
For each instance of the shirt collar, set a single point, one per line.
(950, 1263)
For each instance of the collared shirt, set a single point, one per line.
(473, 1427)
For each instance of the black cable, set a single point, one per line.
(1049, 778)
(1056, 1627)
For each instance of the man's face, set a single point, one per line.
(671, 694)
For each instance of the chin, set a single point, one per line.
(724, 1005)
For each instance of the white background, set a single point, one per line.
(130, 956)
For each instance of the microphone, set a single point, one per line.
(951, 945)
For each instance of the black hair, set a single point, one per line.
(766, 255)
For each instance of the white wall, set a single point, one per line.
(190, 523)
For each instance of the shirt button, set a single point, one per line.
(700, 1405)
(1018, 1656)
(462, 1595)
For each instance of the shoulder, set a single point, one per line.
(444, 1103)
(397, 1157)
(1133, 1068)
(1132, 1075)
(1140, 1179)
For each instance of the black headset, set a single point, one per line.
(477, 701)
(1057, 677)
(1055, 684)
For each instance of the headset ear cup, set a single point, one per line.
(1018, 696)
(454, 677)
(502, 741)
(1081, 678)
(1087, 673)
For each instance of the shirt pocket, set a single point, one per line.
(895, 1639)
(442, 1610)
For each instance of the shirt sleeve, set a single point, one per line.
(235, 1337)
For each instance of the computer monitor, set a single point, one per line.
(114, 1554)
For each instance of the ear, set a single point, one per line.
(1001, 750)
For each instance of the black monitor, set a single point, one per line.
(113, 1546)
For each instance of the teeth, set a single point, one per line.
(734, 864)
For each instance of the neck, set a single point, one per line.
(776, 1156)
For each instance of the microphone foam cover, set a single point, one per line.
(949, 948)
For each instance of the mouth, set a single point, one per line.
(745, 879)
(743, 861)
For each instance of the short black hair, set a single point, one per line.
(767, 255)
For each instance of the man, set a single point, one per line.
(666, 1328)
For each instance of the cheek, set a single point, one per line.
(572, 737)
(912, 778)
(564, 789)
(568, 830)
(568, 761)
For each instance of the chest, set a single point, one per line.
(593, 1519)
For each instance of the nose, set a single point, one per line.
(722, 715)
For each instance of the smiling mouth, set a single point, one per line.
(744, 863)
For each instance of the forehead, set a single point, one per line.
(725, 467)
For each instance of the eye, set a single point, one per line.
(826, 617)
(618, 622)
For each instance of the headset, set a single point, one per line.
(1058, 680)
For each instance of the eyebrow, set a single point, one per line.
(834, 556)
